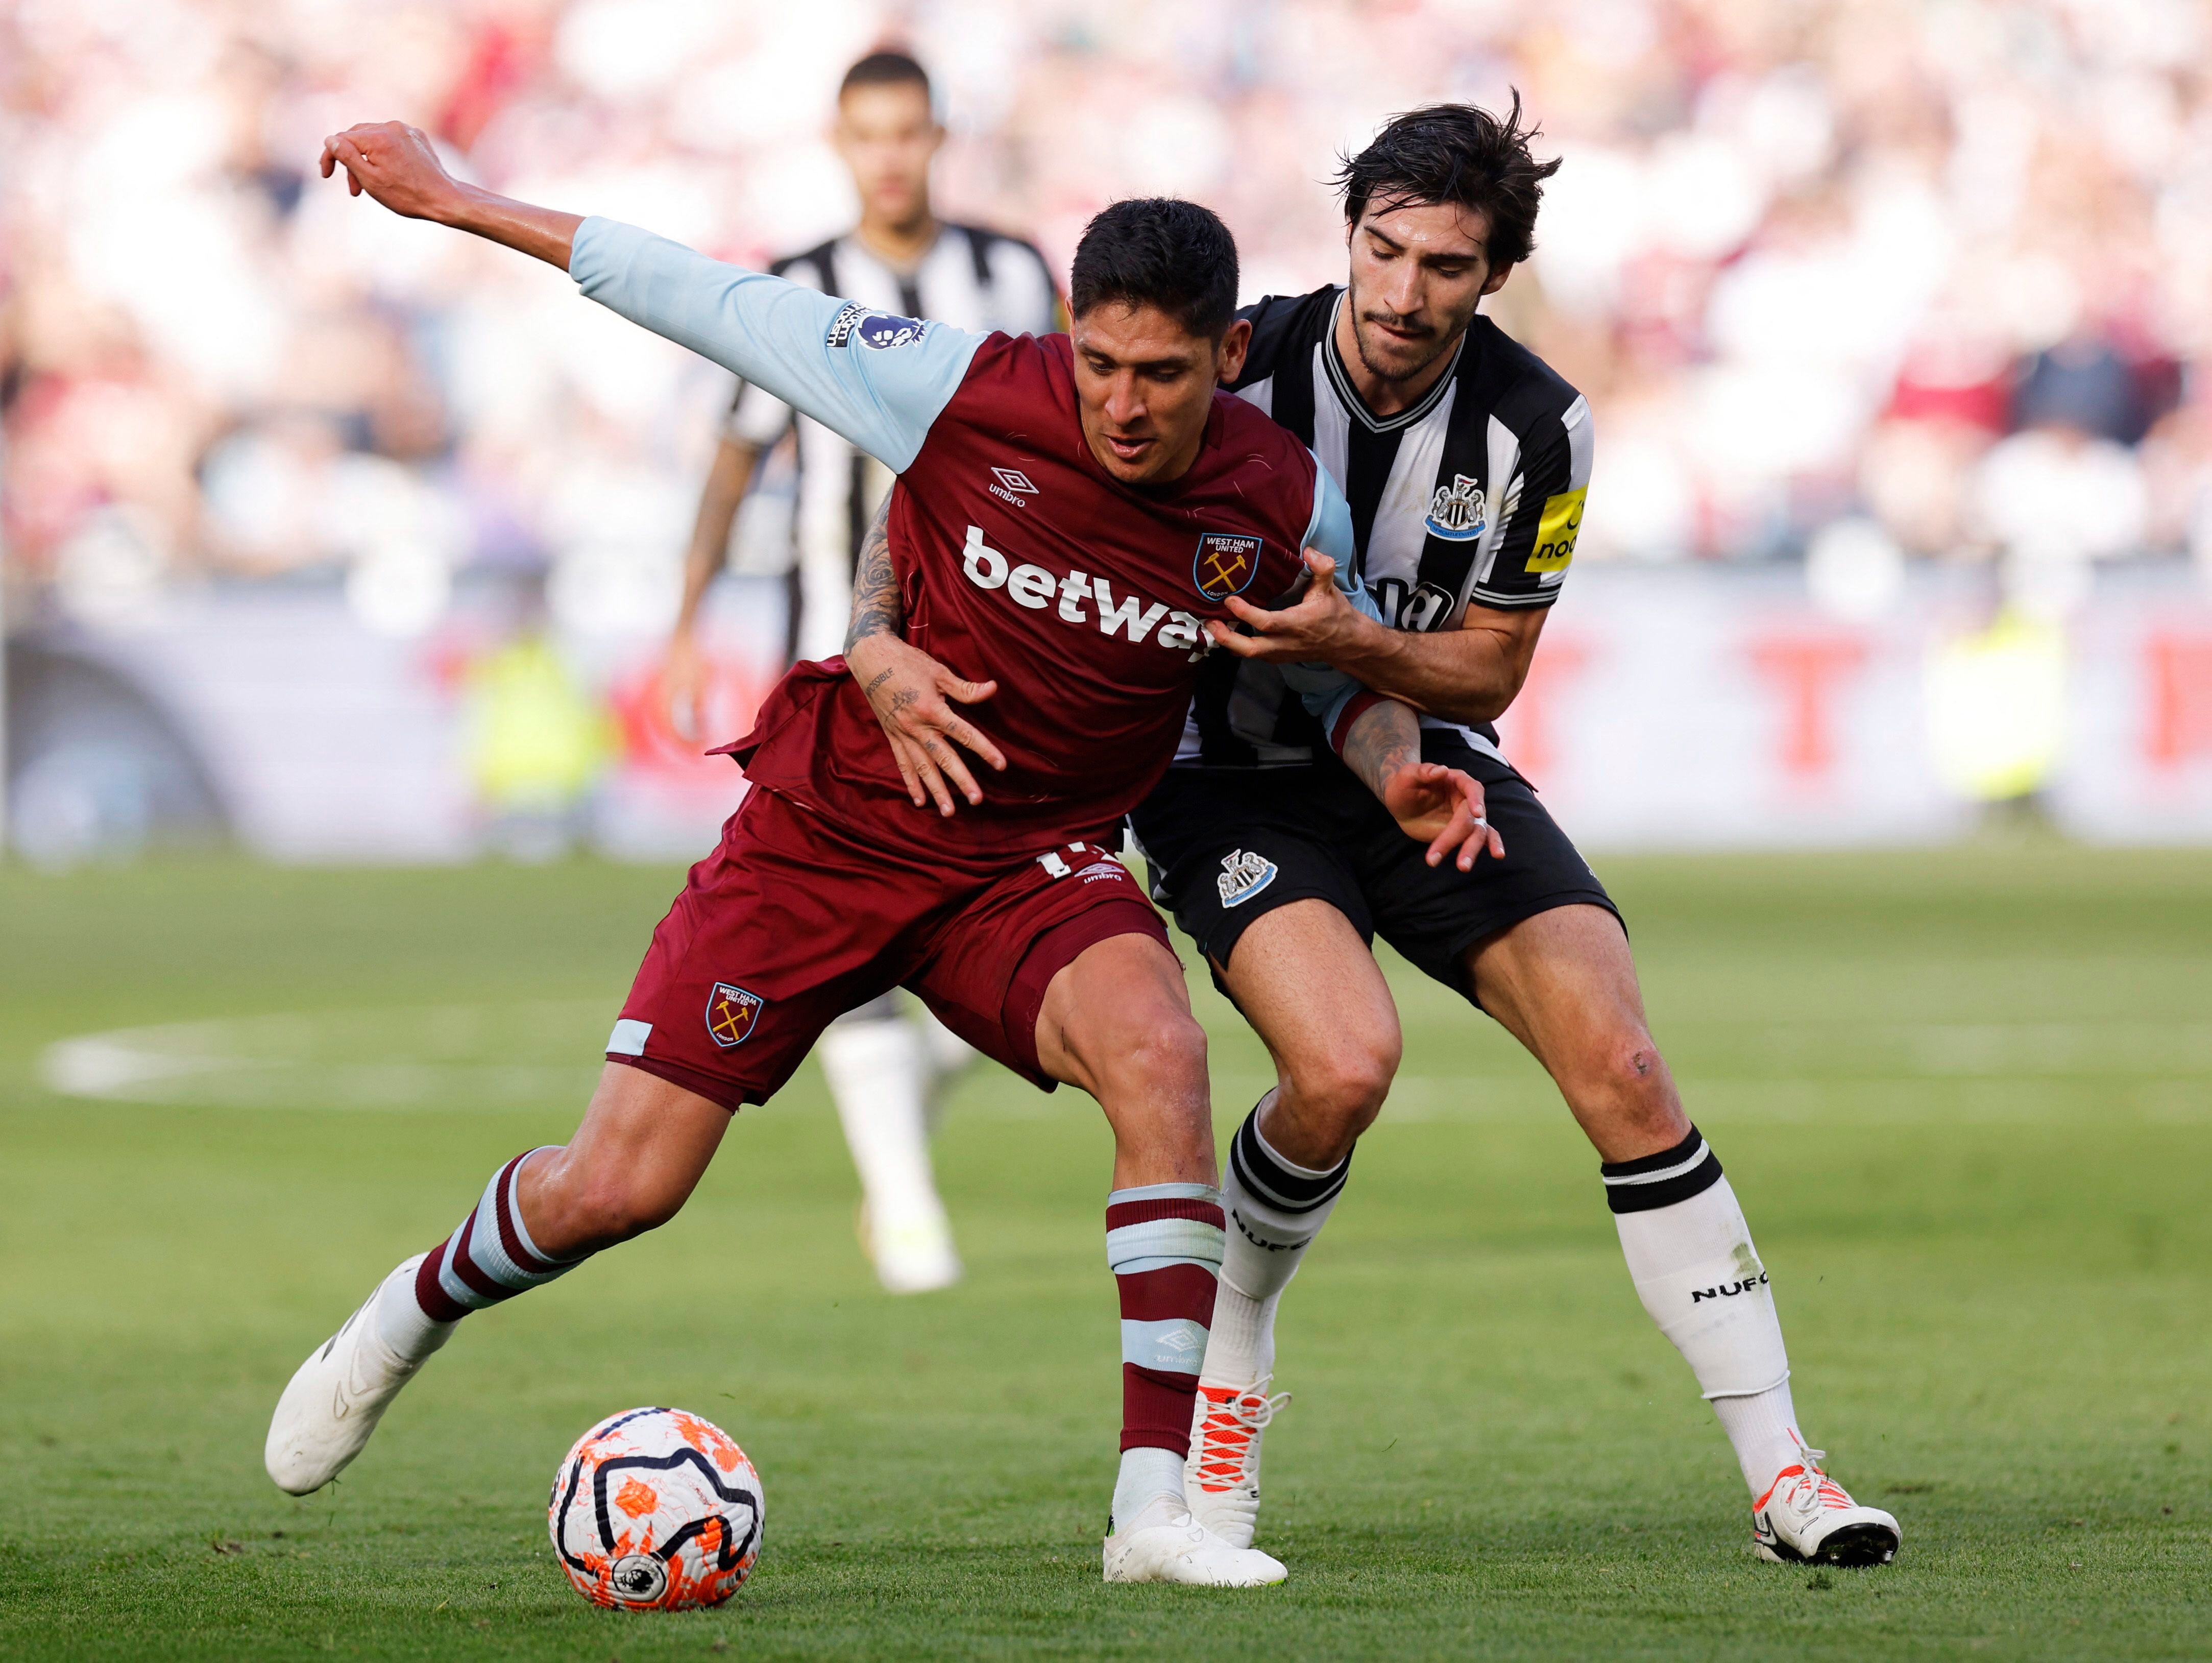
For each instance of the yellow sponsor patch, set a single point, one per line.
(1557, 530)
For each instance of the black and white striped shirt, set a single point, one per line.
(971, 278)
(1474, 494)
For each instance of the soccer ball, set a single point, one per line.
(656, 1510)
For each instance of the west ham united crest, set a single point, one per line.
(1227, 563)
(730, 1014)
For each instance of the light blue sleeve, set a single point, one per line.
(1326, 692)
(879, 382)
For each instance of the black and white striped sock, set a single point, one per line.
(1275, 1209)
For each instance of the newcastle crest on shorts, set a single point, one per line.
(879, 330)
(1457, 512)
(1243, 875)
(1227, 563)
(730, 1014)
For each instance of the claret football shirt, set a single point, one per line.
(1020, 559)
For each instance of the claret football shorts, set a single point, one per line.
(1230, 845)
(792, 922)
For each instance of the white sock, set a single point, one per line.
(1690, 1254)
(1275, 1209)
(402, 1323)
(1240, 1346)
(1149, 1489)
(876, 1076)
(1763, 1427)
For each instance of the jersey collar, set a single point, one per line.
(1340, 379)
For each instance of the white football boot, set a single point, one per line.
(1222, 1479)
(914, 1254)
(1164, 1543)
(336, 1397)
(1806, 1519)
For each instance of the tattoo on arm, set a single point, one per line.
(876, 606)
(1385, 738)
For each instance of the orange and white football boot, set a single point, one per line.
(1222, 1479)
(1806, 1517)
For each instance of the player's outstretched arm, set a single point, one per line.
(879, 382)
(909, 690)
(395, 164)
(1431, 803)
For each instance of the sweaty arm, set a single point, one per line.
(878, 382)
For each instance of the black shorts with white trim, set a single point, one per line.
(1227, 845)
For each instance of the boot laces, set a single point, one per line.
(1809, 1489)
(1229, 1435)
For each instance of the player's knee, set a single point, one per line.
(1343, 1089)
(1628, 1071)
(602, 1208)
(1163, 1055)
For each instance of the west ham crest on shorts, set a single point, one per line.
(1243, 875)
(730, 1014)
(1227, 563)
(1457, 512)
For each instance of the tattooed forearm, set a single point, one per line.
(1385, 738)
(876, 608)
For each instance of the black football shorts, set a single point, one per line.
(1227, 845)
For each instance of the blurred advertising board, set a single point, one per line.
(1668, 709)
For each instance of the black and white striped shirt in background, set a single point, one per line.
(1475, 494)
(972, 278)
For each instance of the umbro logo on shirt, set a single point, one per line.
(1013, 486)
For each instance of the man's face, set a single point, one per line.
(1417, 273)
(887, 136)
(1143, 386)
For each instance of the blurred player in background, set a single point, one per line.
(903, 260)
(1465, 459)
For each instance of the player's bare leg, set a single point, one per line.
(631, 1165)
(1564, 982)
(1287, 1164)
(1117, 1022)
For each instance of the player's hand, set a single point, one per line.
(1323, 626)
(396, 164)
(1445, 808)
(912, 696)
(684, 685)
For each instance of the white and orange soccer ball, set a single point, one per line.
(657, 1510)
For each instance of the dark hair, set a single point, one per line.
(1456, 153)
(886, 69)
(1162, 251)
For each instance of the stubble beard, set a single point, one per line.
(1394, 372)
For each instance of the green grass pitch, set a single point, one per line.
(1965, 1097)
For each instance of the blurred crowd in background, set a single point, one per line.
(1865, 280)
